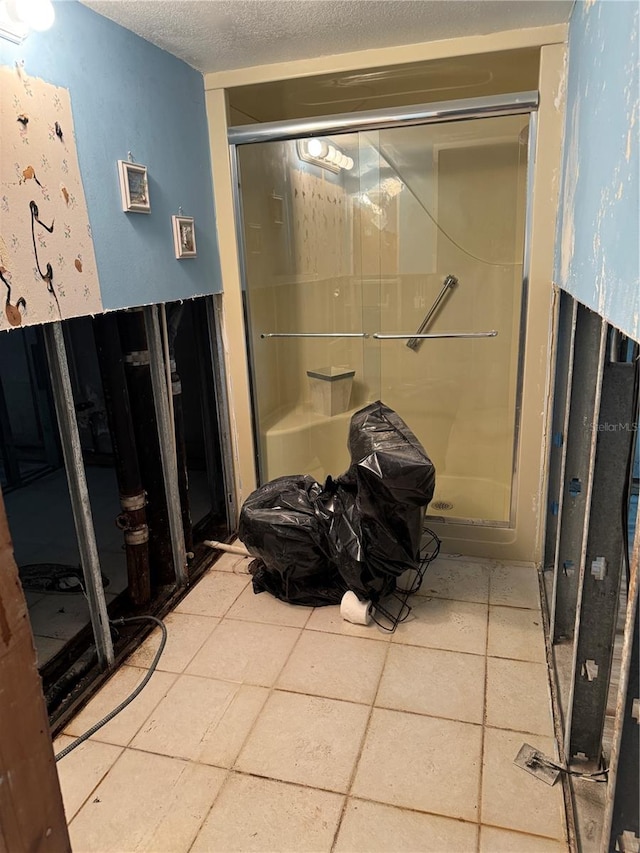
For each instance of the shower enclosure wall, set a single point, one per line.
(348, 239)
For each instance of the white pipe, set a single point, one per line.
(230, 549)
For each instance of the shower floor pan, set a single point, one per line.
(303, 442)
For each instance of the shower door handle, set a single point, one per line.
(492, 334)
(447, 285)
(314, 335)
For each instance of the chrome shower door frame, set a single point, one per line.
(520, 103)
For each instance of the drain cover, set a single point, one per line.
(442, 505)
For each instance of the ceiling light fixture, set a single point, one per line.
(19, 17)
(324, 154)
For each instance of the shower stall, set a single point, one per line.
(384, 256)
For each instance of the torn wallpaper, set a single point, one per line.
(47, 263)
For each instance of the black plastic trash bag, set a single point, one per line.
(377, 508)
(279, 525)
(358, 532)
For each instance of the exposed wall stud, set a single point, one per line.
(167, 441)
(623, 784)
(78, 491)
(558, 454)
(599, 574)
(581, 411)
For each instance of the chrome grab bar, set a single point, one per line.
(492, 334)
(414, 340)
(314, 335)
(377, 336)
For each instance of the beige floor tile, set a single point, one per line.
(248, 652)
(81, 770)
(457, 579)
(328, 619)
(262, 815)
(333, 666)
(416, 785)
(202, 720)
(422, 763)
(233, 563)
(514, 586)
(516, 633)
(265, 608)
(225, 562)
(376, 828)
(185, 635)
(435, 682)
(242, 566)
(305, 739)
(437, 623)
(147, 802)
(213, 595)
(518, 696)
(123, 727)
(513, 798)
(494, 840)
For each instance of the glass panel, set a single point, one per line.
(452, 200)
(366, 246)
(299, 257)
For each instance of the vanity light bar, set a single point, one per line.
(324, 154)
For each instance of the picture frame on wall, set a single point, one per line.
(134, 187)
(184, 236)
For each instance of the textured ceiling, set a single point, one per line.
(217, 35)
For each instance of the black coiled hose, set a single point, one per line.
(132, 696)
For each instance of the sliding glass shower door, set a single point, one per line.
(388, 264)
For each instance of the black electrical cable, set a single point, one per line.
(593, 777)
(132, 696)
(390, 619)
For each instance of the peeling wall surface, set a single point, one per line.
(597, 255)
(128, 95)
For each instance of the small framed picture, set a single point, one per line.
(184, 236)
(134, 187)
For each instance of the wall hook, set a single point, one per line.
(130, 157)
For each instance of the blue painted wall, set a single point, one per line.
(597, 257)
(128, 95)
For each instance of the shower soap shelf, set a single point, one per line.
(330, 389)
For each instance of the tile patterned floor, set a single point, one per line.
(275, 728)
